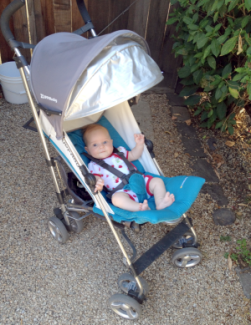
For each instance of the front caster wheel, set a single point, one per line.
(58, 230)
(186, 257)
(127, 282)
(125, 306)
(76, 225)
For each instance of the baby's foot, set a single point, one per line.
(144, 206)
(166, 202)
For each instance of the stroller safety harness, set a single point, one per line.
(76, 82)
(123, 177)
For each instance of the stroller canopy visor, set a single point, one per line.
(79, 77)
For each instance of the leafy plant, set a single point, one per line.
(225, 238)
(213, 39)
(242, 252)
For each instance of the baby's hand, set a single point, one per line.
(99, 185)
(139, 138)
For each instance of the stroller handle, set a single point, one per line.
(5, 28)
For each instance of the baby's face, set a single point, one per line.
(100, 145)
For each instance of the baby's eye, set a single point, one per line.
(105, 142)
(94, 145)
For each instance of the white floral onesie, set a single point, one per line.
(112, 181)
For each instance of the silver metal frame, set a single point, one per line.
(62, 207)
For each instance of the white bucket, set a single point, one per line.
(12, 84)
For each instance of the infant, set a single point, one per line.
(100, 146)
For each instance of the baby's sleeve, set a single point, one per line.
(124, 151)
(94, 168)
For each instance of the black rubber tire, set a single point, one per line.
(127, 277)
(125, 306)
(58, 230)
(76, 225)
(186, 257)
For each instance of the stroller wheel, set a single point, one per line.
(127, 282)
(186, 257)
(76, 225)
(125, 306)
(58, 230)
(187, 238)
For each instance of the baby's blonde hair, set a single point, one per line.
(89, 128)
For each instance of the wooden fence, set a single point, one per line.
(145, 17)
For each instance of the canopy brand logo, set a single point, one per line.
(49, 98)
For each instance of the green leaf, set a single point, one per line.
(217, 27)
(173, 2)
(233, 92)
(202, 41)
(203, 22)
(215, 47)
(192, 100)
(249, 50)
(184, 72)
(193, 27)
(197, 75)
(248, 4)
(227, 70)
(244, 21)
(187, 91)
(171, 21)
(187, 20)
(187, 81)
(229, 45)
(210, 113)
(218, 94)
(218, 125)
(182, 51)
(249, 89)
(221, 110)
(238, 76)
(203, 116)
(232, 4)
(233, 84)
(207, 51)
(216, 15)
(195, 67)
(211, 61)
(230, 129)
(198, 111)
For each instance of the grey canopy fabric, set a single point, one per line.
(58, 62)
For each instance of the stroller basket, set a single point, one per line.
(76, 82)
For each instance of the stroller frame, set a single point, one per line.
(137, 287)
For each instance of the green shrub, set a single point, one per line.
(214, 41)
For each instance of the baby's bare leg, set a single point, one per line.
(162, 198)
(123, 201)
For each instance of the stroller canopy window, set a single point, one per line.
(80, 77)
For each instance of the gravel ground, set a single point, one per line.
(43, 282)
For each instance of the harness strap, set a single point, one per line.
(124, 178)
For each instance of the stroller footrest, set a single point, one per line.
(159, 248)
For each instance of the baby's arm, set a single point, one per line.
(99, 184)
(137, 151)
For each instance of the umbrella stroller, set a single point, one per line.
(77, 82)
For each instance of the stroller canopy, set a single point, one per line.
(79, 77)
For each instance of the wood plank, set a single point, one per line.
(156, 27)
(39, 21)
(62, 15)
(138, 17)
(77, 20)
(168, 63)
(116, 8)
(21, 30)
(99, 11)
(48, 16)
(6, 53)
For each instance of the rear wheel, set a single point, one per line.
(58, 230)
(186, 257)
